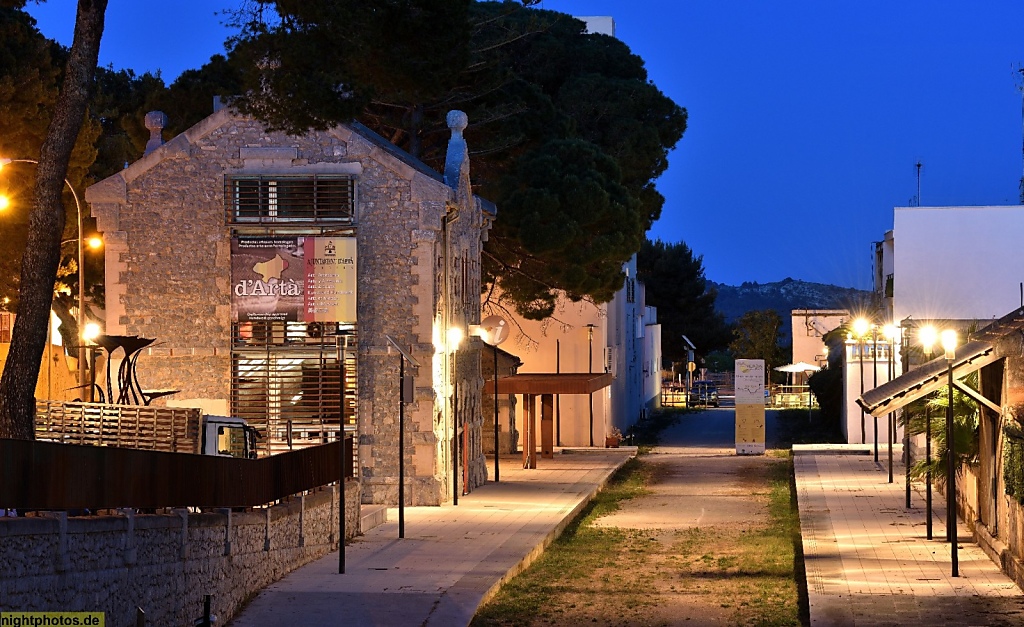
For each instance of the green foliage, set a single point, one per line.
(718, 361)
(674, 281)
(827, 387)
(31, 68)
(189, 99)
(567, 132)
(570, 218)
(802, 426)
(965, 428)
(757, 337)
(1013, 460)
(120, 103)
(337, 57)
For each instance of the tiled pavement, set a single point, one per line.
(868, 560)
(452, 559)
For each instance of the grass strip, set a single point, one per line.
(566, 566)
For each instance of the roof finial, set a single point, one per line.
(457, 160)
(155, 122)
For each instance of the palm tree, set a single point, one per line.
(965, 429)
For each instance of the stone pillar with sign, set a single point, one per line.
(750, 407)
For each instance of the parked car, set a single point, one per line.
(703, 393)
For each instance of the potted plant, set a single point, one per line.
(612, 438)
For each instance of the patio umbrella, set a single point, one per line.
(800, 366)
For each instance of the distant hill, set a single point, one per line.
(785, 296)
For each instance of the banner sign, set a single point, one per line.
(750, 407)
(293, 279)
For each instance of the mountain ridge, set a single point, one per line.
(784, 296)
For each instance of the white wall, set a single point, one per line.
(652, 361)
(625, 327)
(628, 322)
(603, 24)
(872, 378)
(809, 328)
(957, 263)
(560, 344)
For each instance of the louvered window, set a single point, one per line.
(294, 382)
(327, 199)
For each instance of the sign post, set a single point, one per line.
(750, 407)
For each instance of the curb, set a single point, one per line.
(551, 536)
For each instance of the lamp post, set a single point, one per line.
(404, 397)
(927, 337)
(874, 384)
(949, 345)
(590, 370)
(80, 318)
(890, 333)
(860, 327)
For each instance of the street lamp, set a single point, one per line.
(860, 327)
(590, 370)
(890, 332)
(404, 396)
(927, 336)
(949, 345)
(80, 318)
(874, 384)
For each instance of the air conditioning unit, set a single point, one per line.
(609, 360)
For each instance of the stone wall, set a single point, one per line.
(164, 564)
(168, 247)
(996, 518)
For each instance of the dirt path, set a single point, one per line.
(693, 535)
(711, 558)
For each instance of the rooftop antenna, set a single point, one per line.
(1018, 79)
(918, 165)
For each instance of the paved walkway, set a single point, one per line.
(452, 559)
(868, 560)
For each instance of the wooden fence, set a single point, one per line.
(171, 429)
(53, 476)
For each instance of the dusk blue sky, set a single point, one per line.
(806, 117)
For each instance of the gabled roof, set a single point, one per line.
(932, 376)
(378, 141)
(113, 187)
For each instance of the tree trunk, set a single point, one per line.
(46, 224)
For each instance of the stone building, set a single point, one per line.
(279, 275)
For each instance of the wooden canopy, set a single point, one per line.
(551, 383)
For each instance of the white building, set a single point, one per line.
(624, 339)
(600, 24)
(809, 329)
(867, 364)
(633, 353)
(949, 265)
(956, 263)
